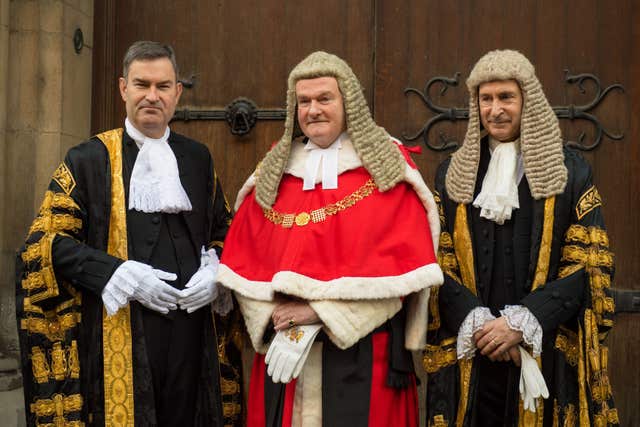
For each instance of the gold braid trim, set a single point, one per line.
(230, 409)
(54, 328)
(464, 255)
(438, 200)
(41, 251)
(74, 361)
(217, 243)
(39, 279)
(569, 415)
(59, 201)
(596, 373)
(465, 366)
(587, 247)
(62, 423)
(447, 257)
(436, 357)
(567, 343)
(587, 235)
(542, 268)
(39, 365)
(568, 270)
(58, 362)
(583, 411)
(64, 363)
(286, 220)
(528, 418)
(55, 223)
(57, 406)
(38, 250)
(438, 421)
(448, 263)
(446, 242)
(116, 329)
(464, 248)
(229, 387)
(589, 257)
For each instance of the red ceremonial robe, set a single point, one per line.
(379, 248)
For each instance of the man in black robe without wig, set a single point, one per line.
(116, 287)
(527, 266)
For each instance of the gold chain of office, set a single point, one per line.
(286, 220)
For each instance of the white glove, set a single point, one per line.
(289, 350)
(134, 280)
(201, 289)
(532, 384)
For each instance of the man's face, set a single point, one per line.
(500, 104)
(150, 93)
(320, 110)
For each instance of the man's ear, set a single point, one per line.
(178, 91)
(122, 83)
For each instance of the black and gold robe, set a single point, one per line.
(557, 263)
(80, 366)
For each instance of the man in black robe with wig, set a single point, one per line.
(516, 331)
(116, 288)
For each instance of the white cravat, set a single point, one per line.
(329, 158)
(155, 181)
(499, 194)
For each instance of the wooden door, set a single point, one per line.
(247, 47)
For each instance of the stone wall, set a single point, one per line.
(45, 108)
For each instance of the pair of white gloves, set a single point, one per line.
(532, 384)
(134, 280)
(289, 350)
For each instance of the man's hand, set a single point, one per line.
(292, 313)
(200, 290)
(135, 280)
(496, 339)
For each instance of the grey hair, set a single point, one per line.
(144, 50)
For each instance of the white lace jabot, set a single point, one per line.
(499, 194)
(155, 181)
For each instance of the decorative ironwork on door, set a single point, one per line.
(570, 112)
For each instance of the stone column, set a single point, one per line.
(45, 108)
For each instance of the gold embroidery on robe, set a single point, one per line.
(439, 356)
(64, 178)
(116, 329)
(588, 201)
(57, 406)
(567, 343)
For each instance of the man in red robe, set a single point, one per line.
(331, 257)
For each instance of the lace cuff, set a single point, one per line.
(519, 318)
(466, 346)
